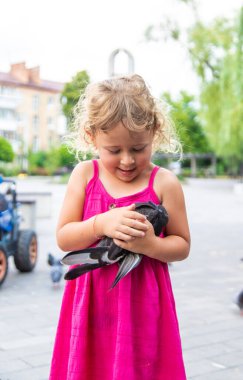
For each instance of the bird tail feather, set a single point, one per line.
(126, 265)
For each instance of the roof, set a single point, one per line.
(44, 85)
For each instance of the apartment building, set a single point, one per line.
(30, 110)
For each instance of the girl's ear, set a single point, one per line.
(92, 138)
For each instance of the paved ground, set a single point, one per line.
(204, 286)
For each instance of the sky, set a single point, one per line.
(64, 37)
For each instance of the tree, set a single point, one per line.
(222, 88)
(6, 150)
(72, 92)
(189, 128)
(216, 53)
(37, 159)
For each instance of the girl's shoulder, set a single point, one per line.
(166, 182)
(82, 173)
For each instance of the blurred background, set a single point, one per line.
(191, 55)
(189, 52)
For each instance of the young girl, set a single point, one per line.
(130, 332)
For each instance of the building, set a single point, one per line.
(30, 110)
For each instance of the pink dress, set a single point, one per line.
(128, 333)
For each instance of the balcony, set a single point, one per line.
(9, 102)
(8, 125)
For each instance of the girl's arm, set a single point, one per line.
(72, 233)
(176, 243)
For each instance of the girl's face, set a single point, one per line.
(123, 153)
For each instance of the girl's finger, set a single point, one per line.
(130, 232)
(136, 215)
(131, 207)
(127, 235)
(120, 243)
(135, 224)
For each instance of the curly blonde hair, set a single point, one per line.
(125, 99)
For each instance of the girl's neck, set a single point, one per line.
(118, 188)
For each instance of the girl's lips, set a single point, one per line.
(126, 171)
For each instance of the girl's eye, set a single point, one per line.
(138, 149)
(114, 151)
(133, 149)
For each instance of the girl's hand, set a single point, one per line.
(121, 223)
(142, 245)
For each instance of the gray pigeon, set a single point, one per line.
(107, 252)
(56, 268)
(239, 301)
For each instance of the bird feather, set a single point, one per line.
(107, 252)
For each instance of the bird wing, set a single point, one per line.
(84, 256)
(129, 262)
(79, 270)
(90, 258)
(107, 252)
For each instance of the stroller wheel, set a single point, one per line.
(3, 264)
(25, 257)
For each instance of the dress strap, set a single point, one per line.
(152, 175)
(96, 169)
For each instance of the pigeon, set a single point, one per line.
(56, 268)
(107, 252)
(239, 298)
(239, 301)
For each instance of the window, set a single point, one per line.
(35, 146)
(20, 117)
(50, 122)
(9, 91)
(50, 141)
(50, 101)
(35, 123)
(9, 135)
(7, 114)
(35, 102)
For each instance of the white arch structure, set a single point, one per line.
(130, 62)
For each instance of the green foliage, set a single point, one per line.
(9, 169)
(72, 92)
(49, 162)
(6, 151)
(207, 45)
(52, 161)
(222, 98)
(37, 162)
(189, 129)
(216, 53)
(66, 158)
(37, 159)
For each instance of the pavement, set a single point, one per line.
(205, 286)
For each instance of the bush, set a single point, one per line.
(6, 151)
(66, 158)
(8, 170)
(56, 160)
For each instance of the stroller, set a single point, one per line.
(21, 244)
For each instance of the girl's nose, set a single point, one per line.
(127, 159)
